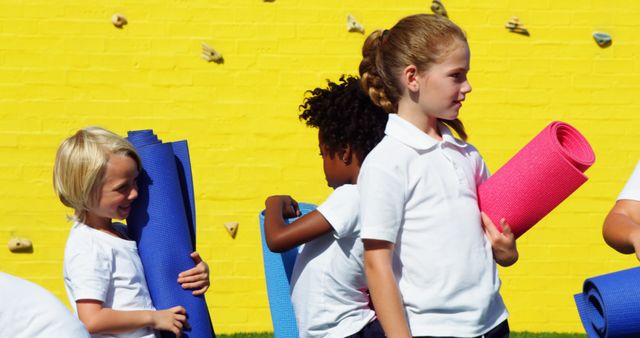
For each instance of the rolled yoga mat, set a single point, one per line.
(609, 305)
(162, 223)
(277, 271)
(538, 178)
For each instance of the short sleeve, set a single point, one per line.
(481, 170)
(341, 210)
(382, 199)
(87, 271)
(631, 190)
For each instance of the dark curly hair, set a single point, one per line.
(345, 115)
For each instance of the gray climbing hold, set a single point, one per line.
(602, 39)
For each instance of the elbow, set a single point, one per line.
(620, 232)
(275, 247)
(277, 244)
(91, 325)
(373, 270)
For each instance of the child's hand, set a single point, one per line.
(173, 319)
(288, 205)
(196, 278)
(503, 243)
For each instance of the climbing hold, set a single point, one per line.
(353, 25)
(211, 55)
(602, 39)
(18, 244)
(438, 8)
(515, 26)
(232, 228)
(119, 20)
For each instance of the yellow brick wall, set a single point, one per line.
(64, 66)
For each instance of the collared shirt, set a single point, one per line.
(420, 194)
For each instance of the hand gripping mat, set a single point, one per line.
(162, 223)
(538, 178)
(609, 305)
(277, 272)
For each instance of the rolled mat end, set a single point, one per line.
(538, 178)
(609, 305)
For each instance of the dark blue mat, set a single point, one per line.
(277, 272)
(162, 222)
(609, 305)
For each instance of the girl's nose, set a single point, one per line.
(466, 87)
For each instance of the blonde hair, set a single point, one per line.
(80, 165)
(420, 40)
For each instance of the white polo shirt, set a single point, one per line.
(328, 285)
(631, 190)
(420, 194)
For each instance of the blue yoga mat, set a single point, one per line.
(162, 222)
(277, 271)
(609, 305)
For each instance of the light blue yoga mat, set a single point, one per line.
(162, 222)
(277, 271)
(609, 305)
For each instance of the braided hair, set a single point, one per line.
(420, 40)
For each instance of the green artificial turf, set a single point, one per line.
(546, 335)
(513, 335)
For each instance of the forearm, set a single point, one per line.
(387, 300)
(281, 236)
(107, 320)
(619, 230)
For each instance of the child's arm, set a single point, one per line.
(621, 229)
(280, 236)
(99, 319)
(503, 243)
(383, 288)
(196, 278)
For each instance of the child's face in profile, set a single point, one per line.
(119, 189)
(335, 168)
(445, 85)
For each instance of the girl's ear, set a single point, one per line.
(410, 78)
(347, 154)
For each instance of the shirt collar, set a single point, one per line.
(405, 132)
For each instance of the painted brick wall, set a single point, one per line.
(64, 66)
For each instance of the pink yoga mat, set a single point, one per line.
(538, 178)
